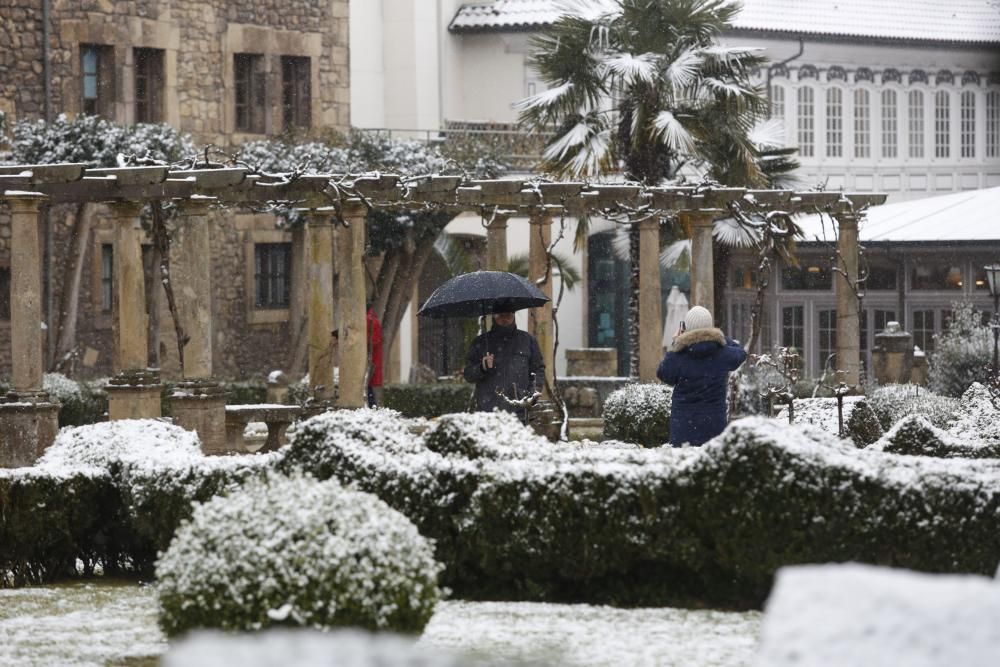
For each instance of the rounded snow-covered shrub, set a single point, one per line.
(80, 402)
(892, 402)
(115, 443)
(428, 400)
(977, 417)
(863, 425)
(296, 551)
(639, 413)
(916, 436)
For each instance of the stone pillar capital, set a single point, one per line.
(320, 217)
(353, 208)
(701, 217)
(126, 210)
(197, 205)
(24, 202)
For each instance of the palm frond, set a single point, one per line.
(628, 66)
(544, 99)
(731, 233)
(575, 137)
(683, 69)
(562, 267)
(767, 134)
(677, 256)
(594, 157)
(672, 132)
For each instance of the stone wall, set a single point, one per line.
(198, 38)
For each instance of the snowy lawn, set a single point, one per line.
(111, 623)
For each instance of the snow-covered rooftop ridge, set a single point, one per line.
(969, 21)
(820, 615)
(960, 216)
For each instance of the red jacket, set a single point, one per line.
(375, 345)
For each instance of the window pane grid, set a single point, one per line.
(968, 127)
(993, 124)
(942, 124)
(806, 121)
(923, 329)
(272, 274)
(916, 124)
(889, 125)
(793, 327)
(107, 276)
(862, 124)
(834, 122)
(827, 339)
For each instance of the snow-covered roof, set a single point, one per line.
(970, 21)
(973, 215)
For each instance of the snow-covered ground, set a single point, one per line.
(94, 623)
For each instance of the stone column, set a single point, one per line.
(353, 328)
(496, 243)
(650, 309)
(701, 223)
(198, 401)
(320, 305)
(134, 391)
(848, 324)
(540, 319)
(28, 419)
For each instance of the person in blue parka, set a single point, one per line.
(698, 366)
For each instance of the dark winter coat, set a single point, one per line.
(516, 356)
(698, 367)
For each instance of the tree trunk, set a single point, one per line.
(69, 302)
(633, 301)
(399, 295)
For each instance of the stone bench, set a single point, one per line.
(276, 416)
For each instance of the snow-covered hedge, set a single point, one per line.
(916, 436)
(109, 494)
(824, 615)
(577, 522)
(892, 402)
(296, 551)
(961, 351)
(428, 400)
(639, 413)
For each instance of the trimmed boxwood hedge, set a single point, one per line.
(110, 495)
(428, 400)
(569, 522)
(639, 413)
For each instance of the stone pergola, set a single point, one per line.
(335, 205)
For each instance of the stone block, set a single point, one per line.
(892, 356)
(134, 395)
(200, 406)
(28, 425)
(592, 362)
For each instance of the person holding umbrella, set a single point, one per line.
(505, 364)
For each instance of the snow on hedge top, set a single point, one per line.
(820, 412)
(145, 442)
(295, 549)
(822, 615)
(306, 648)
(977, 418)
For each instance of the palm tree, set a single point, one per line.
(644, 87)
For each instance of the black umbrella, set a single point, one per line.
(480, 293)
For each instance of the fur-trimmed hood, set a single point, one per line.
(695, 336)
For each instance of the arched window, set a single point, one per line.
(942, 124)
(968, 124)
(890, 125)
(778, 103)
(834, 122)
(806, 114)
(993, 124)
(916, 123)
(862, 124)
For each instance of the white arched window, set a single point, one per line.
(807, 121)
(916, 123)
(968, 126)
(942, 124)
(834, 122)
(890, 125)
(993, 124)
(778, 103)
(862, 124)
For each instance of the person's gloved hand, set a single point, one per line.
(487, 362)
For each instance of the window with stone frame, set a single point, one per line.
(4, 293)
(968, 124)
(97, 82)
(811, 276)
(932, 276)
(942, 124)
(296, 92)
(993, 124)
(806, 121)
(916, 124)
(793, 327)
(148, 65)
(107, 277)
(272, 275)
(834, 122)
(890, 126)
(250, 98)
(862, 124)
